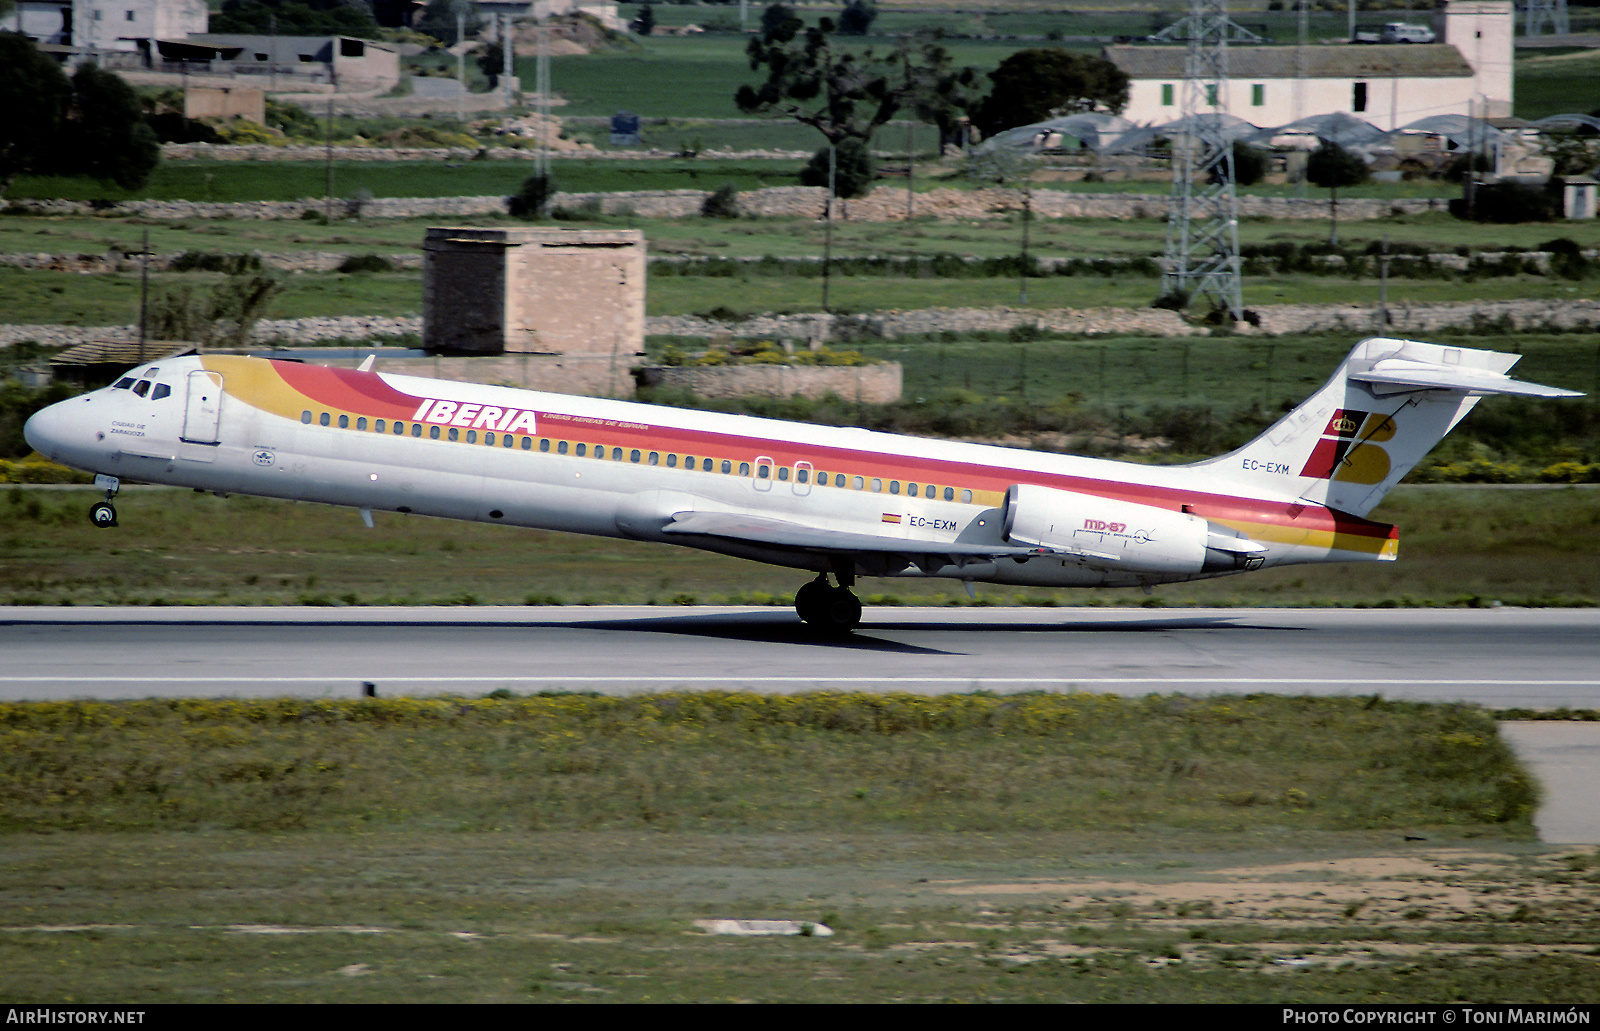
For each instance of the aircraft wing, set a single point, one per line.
(783, 533)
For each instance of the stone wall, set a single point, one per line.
(1353, 319)
(884, 204)
(876, 384)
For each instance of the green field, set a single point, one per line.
(1458, 546)
(963, 848)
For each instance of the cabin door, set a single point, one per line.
(202, 413)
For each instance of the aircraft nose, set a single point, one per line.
(48, 431)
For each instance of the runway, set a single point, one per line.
(1536, 658)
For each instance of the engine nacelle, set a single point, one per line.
(1124, 535)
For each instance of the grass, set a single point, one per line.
(714, 762)
(1459, 546)
(961, 848)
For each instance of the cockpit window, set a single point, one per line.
(124, 383)
(162, 390)
(142, 387)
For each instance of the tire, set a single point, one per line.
(103, 515)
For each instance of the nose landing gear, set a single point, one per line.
(104, 513)
(828, 607)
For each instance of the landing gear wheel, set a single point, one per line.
(810, 602)
(830, 608)
(843, 610)
(103, 515)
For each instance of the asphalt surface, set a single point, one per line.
(1498, 657)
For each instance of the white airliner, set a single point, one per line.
(845, 502)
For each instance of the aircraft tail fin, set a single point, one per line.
(1379, 414)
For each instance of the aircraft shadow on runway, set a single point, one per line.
(760, 627)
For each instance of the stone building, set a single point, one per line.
(573, 294)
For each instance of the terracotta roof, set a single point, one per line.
(120, 352)
(1346, 61)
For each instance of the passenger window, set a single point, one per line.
(783, 473)
(455, 434)
(949, 493)
(433, 433)
(858, 483)
(727, 466)
(544, 443)
(616, 454)
(416, 429)
(688, 463)
(323, 420)
(672, 461)
(911, 489)
(744, 469)
(561, 448)
(344, 422)
(966, 497)
(633, 456)
(488, 438)
(162, 390)
(472, 436)
(655, 458)
(877, 486)
(378, 426)
(305, 418)
(399, 427)
(894, 486)
(801, 475)
(361, 423)
(507, 440)
(527, 443)
(763, 471)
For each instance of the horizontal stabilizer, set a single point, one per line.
(765, 530)
(1395, 375)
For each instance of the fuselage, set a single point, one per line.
(585, 465)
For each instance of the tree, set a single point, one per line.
(439, 20)
(1330, 166)
(1249, 165)
(645, 23)
(297, 18)
(36, 95)
(91, 124)
(846, 95)
(105, 135)
(776, 17)
(491, 62)
(857, 17)
(853, 169)
(1033, 85)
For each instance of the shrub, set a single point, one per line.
(531, 200)
(724, 203)
(366, 263)
(853, 173)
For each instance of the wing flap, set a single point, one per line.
(783, 533)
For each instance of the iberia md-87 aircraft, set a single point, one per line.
(839, 501)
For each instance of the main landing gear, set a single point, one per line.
(104, 513)
(831, 608)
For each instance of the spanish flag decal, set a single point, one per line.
(891, 517)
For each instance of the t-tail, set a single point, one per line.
(1371, 423)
